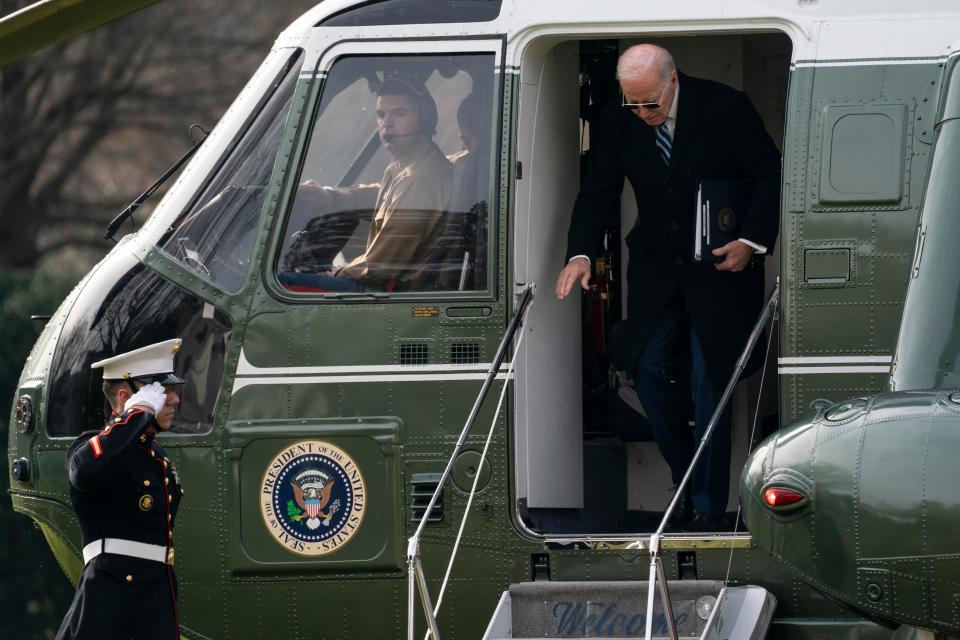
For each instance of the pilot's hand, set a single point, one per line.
(150, 397)
(735, 254)
(313, 195)
(576, 269)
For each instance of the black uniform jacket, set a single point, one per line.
(719, 135)
(121, 483)
(123, 486)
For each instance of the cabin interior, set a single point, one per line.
(586, 462)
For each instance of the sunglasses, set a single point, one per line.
(643, 105)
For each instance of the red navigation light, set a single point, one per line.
(782, 497)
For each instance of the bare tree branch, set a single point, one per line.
(110, 106)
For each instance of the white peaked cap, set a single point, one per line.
(154, 363)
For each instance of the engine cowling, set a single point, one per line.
(876, 526)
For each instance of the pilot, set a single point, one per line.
(408, 203)
(470, 164)
(471, 122)
(125, 492)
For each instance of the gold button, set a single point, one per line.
(169, 517)
(169, 498)
(153, 453)
(146, 483)
(129, 578)
(166, 481)
(143, 438)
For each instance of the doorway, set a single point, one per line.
(586, 462)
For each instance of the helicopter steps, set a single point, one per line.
(702, 609)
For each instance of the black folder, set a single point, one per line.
(722, 206)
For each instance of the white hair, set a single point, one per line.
(639, 60)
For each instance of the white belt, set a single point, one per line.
(156, 552)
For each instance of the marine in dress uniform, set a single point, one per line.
(125, 492)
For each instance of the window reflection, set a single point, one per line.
(394, 190)
(123, 307)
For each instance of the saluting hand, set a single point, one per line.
(150, 397)
(736, 256)
(576, 269)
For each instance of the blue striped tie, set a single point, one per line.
(664, 142)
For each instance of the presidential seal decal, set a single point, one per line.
(312, 498)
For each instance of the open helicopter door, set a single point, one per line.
(549, 389)
(574, 451)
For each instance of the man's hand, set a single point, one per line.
(150, 397)
(576, 269)
(311, 194)
(735, 254)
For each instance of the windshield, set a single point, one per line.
(211, 231)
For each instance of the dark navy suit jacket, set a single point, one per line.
(719, 135)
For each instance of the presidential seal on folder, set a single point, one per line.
(721, 207)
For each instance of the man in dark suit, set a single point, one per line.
(665, 133)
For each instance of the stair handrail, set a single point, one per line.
(656, 560)
(416, 579)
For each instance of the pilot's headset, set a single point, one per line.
(426, 107)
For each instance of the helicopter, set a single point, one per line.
(542, 522)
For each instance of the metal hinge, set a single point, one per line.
(519, 171)
(918, 251)
(687, 565)
(539, 566)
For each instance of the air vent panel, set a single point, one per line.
(465, 353)
(422, 486)
(414, 353)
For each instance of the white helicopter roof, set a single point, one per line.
(821, 30)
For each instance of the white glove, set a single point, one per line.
(151, 395)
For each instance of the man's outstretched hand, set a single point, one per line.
(576, 269)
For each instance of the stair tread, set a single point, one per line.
(617, 609)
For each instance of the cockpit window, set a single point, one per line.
(214, 237)
(394, 194)
(414, 12)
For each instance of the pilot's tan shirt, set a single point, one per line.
(410, 203)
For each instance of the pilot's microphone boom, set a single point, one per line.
(390, 137)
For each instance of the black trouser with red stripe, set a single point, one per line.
(123, 598)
